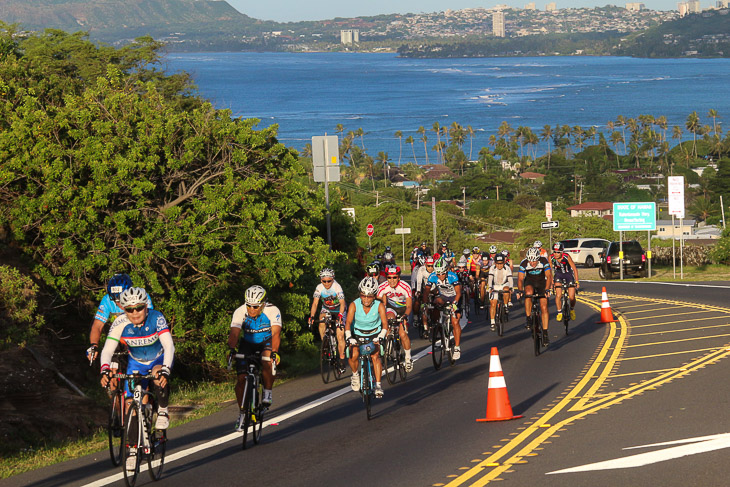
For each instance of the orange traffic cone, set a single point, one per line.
(498, 406)
(606, 315)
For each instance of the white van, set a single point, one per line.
(585, 250)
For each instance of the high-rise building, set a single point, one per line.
(694, 6)
(530, 6)
(349, 36)
(683, 8)
(551, 7)
(635, 6)
(723, 3)
(498, 23)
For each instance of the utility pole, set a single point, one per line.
(418, 197)
(377, 199)
(463, 193)
(497, 192)
(722, 209)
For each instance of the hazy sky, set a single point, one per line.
(293, 10)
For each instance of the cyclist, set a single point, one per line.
(447, 255)
(421, 281)
(149, 344)
(474, 264)
(366, 319)
(507, 260)
(373, 270)
(415, 253)
(565, 274)
(108, 311)
(388, 257)
(445, 287)
(330, 293)
(535, 277)
(499, 279)
(425, 250)
(487, 263)
(465, 256)
(260, 323)
(398, 301)
(543, 252)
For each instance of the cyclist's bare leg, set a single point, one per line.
(571, 297)
(492, 308)
(377, 364)
(507, 295)
(322, 325)
(403, 332)
(544, 311)
(558, 296)
(341, 342)
(482, 288)
(354, 355)
(267, 370)
(528, 301)
(457, 328)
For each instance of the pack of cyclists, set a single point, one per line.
(256, 326)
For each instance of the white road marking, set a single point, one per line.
(664, 283)
(237, 436)
(697, 445)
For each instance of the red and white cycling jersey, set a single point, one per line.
(395, 296)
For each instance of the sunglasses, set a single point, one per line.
(132, 309)
(253, 306)
(326, 282)
(392, 277)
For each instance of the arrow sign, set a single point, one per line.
(689, 446)
(547, 225)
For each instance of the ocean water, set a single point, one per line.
(309, 94)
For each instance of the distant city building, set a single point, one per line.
(723, 4)
(551, 7)
(498, 23)
(689, 7)
(530, 6)
(349, 37)
(683, 9)
(635, 6)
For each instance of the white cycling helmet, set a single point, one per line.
(440, 267)
(461, 265)
(368, 286)
(466, 252)
(326, 272)
(537, 244)
(132, 297)
(492, 249)
(255, 295)
(533, 254)
(475, 250)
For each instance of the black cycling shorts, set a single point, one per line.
(248, 348)
(538, 285)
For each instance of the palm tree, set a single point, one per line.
(424, 139)
(383, 159)
(457, 134)
(621, 122)
(399, 136)
(713, 115)
(547, 135)
(470, 133)
(616, 139)
(409, 140)
(361, 133)
(339, 129)
(437, 129)
(693, 125)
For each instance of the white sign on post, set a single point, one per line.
(548, 210)
(326, 157)
(675, 190)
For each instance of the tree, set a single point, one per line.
(713, 115)
(399, 136)
(409, 140)
(437, 130)
(547, 135)
(693, 125)
(470, 133)
(424, 139)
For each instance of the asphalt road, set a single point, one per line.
(653, 376)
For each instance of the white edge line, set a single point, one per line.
(663, 283)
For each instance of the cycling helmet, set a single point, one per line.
(118, 284)
(533, 254)
(499, 258)
(368, 286)
(466, 252)
(132, 297)
(492, 249)
(255, 295)
(558, 247)
(537, 244)
(461, 265)
(505, 252)
(429, 261)
(421, 260)
(475, 250)
(326, 272)
(372, 269)
(440, 267)
(423, 244)
(485, 255)
(444, 245)
(393, 270)
(387, 248)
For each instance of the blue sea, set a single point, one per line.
(308, 94)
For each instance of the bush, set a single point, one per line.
(19, 321)
(720, 254)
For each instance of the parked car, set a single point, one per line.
(585, 250)
(634, 261)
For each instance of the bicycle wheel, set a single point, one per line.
(158, 444)
(325, 359)
(247, 409)
(401, 355)
(257, 419)
(449, 339)
(130, 437)
(465, 304)
(536, 332)
(437, 349)
(335, 360)
(366, 386)
(477, 301)
(391, 361)
(566, 311)
(115, 427)
(500, 318)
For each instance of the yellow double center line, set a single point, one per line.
(582, 399)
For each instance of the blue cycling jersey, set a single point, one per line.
(109, 311)
(446, 287)
(258, 329)
(143, 342)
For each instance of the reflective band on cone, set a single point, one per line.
(606, 315)
(498, 406)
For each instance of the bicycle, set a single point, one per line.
(366, 348)
(329, 357)
(536, 321)
(117, 409)
(153, 442)
(465, 294)
(395, 355)
(475, 289)
(500, 315)
(253, 392)
(442, 339)
(424, 331)
(565, 305)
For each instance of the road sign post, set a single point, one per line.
(632, 217)
(549, 216)
(326, 163)
(675, 198)
(370, 230)
(403, 232)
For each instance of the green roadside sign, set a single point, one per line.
(628, 217)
